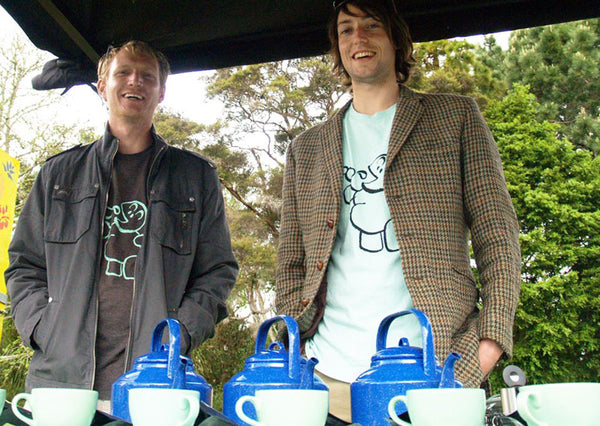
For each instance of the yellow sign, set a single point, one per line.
(9, 172)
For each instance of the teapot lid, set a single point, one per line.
(275, 353)
(160, 357)
(403, 351)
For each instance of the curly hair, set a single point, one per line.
(395, 27)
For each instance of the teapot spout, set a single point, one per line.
(307, 374)
(447, 380)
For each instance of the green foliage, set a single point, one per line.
(560, 63)
(14, 360)
(555, 189)
(456, 66)
(223, 356)
(256, 252)
(176, 129)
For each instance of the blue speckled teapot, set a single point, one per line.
(164, 367)
(271, 368)
(395, 370)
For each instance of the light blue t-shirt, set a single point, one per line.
(365, 281)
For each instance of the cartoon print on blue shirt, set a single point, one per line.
(127, 221)
(364, 192)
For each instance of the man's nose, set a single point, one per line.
(135, 79)
(360, 34)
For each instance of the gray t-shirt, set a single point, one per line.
(123, 233)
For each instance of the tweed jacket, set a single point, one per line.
(444, 186)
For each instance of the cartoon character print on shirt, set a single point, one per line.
(364, 193)
(126, 223)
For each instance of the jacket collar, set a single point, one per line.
(408, 112)
(107, 146)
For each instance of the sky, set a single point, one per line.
(185, 93)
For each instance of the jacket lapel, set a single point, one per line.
(408, 112)
(331, 133)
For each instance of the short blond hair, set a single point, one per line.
(136, 48)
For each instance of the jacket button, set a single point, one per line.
(319, 265)
(330, 223)
(305, 302)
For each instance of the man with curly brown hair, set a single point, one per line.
(379, 206)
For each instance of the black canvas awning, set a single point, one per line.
(199, 34)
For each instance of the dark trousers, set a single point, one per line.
(334, 421)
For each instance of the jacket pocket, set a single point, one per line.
(172, 221)
(70, 213)
(42, 330)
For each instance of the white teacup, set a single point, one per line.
(2, 399)
(443, 406)
(560, 404)
(58, 406)
(290, 407)
(161, 407)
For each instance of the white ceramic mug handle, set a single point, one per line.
(15, 408)
(523, 401)
(193, 410)
(392, 409)
(239, 409)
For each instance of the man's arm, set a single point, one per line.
(494, 235)
(290, 254)
(214, 270)
(26, 275)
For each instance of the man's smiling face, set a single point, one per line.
(367, 53)
(132, 87)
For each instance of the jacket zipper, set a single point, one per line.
(99, 261)
(131, 311)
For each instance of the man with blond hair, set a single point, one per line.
(116, 236)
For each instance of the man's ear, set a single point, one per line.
(101, 86)
(162, 94)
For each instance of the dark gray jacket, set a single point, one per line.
(185, 268)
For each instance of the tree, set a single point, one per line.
(24, 132)
(269, 104)
(457, 66)
(560, 64)
(252, 209)
(223, 356)
(276, 100)
(555, 189)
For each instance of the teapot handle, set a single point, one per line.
(293, 341)
(427, 334)
(174, 372)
